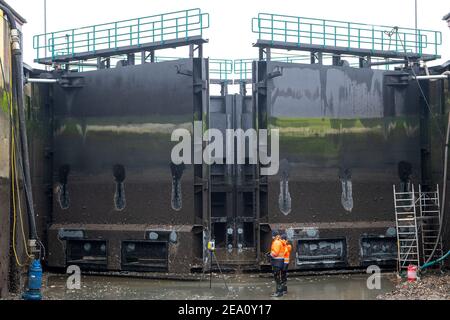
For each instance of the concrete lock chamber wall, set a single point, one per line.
(114, 201)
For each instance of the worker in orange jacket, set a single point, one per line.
(287, 256)
(277, 253)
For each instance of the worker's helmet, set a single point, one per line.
(275, 233)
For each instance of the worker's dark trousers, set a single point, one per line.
(277, 268)
(284, 276)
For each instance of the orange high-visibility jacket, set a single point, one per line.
(278, 249)
(287, 252)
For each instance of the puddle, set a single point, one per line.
(242, 287)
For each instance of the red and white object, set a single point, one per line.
(412, 273)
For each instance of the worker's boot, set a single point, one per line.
(279, 292)
(285, 289)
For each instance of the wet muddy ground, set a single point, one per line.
(251, 287)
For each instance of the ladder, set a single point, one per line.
(430, 218)
(407, 231)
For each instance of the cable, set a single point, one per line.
(447, 141)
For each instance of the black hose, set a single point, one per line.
(18, 89)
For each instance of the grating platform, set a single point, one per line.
(339, 37)
(150, 33)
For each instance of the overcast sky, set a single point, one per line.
(230, 33)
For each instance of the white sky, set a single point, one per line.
(230, 32)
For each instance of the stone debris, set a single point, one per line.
(428, 287)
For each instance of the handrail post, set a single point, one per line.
(324, 33)
(335, 36)
(272, 27)
(68, 43)
(93, 35)
(53, 46)
(187, 19)
(131, 35)
(420, 42)
(139, 32)
(162, 27)
(436, 42)
(153, 31)
(115, 35)
(359, 39)
(285, 31)
(299, 33)
(201, 24)
(373, 38)
(349, 36)
(38, 47)
(73, 42)
(176, 28)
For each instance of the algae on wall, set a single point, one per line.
(4, 165)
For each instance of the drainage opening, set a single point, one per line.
(87, 254)
(321, 253)
(381, 251)
(150, 256)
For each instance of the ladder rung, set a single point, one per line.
(407, 219)
(409, 260)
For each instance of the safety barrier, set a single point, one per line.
(318, 32)
(159, 28)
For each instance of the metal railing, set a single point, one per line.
(308, 31)
(221, 69)
(135, 32)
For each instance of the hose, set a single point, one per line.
(444, 192)
(18, 93)
(429, 264)
(14, 177)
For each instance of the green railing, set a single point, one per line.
(307, 31)
(135, 32)
(221, 69)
